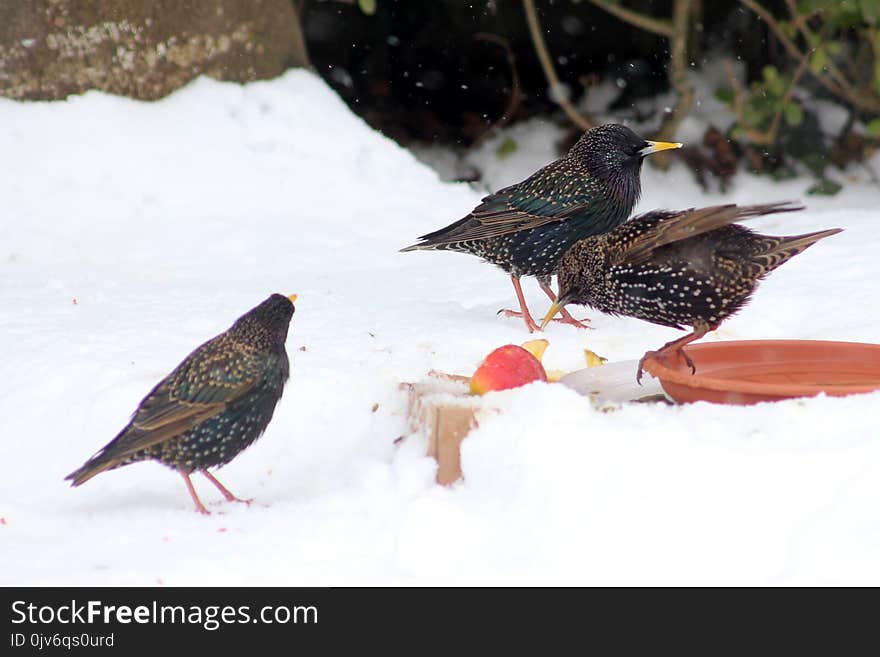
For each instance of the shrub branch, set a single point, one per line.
(576, 117)
(839, 85)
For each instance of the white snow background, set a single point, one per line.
(133, 232)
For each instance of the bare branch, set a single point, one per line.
(549, 70)
(810, 37)
(678, 74)
(637, 19)
(676, 31)
(513, 101)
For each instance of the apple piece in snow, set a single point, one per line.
(507, 367)
(536, 347)
(593, 359)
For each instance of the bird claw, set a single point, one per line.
(661, 356)
(527, 318)
(230, 497)
(534, 326)
(641, 366)
(568, 319)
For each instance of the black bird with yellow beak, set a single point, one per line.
(525, 228)
(217, 402)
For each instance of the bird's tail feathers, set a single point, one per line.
(94, 466)
(417, 247)
(91, 468)
(441, 239)
(788, 247)
(799, 243)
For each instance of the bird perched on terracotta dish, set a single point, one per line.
(525, 228)
(688, 268)
(216, 403)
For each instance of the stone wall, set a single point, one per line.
(145, 49)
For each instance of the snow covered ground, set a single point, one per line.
(132, 232)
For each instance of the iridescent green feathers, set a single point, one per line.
(525, 228)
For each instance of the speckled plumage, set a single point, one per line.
(688, 268)
(525, 228)
(216, 403)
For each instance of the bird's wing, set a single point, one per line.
(205, 384)
(553, 194)
(641, 236)
(510, 211)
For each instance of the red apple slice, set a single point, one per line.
(507, 367)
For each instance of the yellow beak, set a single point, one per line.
(292, 297)
(555, 308)
(657, 146)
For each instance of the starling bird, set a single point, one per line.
(688, 268)
(525, 228)
(212, 406)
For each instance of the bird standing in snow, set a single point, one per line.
(687, 268)
(525, 228)
(216, 403)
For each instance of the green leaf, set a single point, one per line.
(725, 95)
(762, 106)
(774, 82)
(771, 75)
(825, 187)
(870, 11)
(784, 172)
(846, 15)
(793, 113)
(818, 60)
(833, 47)
(809, 6)
(506, 148)
(779, 88)
(367, 6)
(873, 127)
(815, 162)
(751, 119)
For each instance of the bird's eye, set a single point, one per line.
(633, 150)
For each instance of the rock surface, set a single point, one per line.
(50, 49)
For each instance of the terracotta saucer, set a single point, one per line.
(752, 371)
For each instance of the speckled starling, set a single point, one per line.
(525, 228)
(216, 403)
(687, 268)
